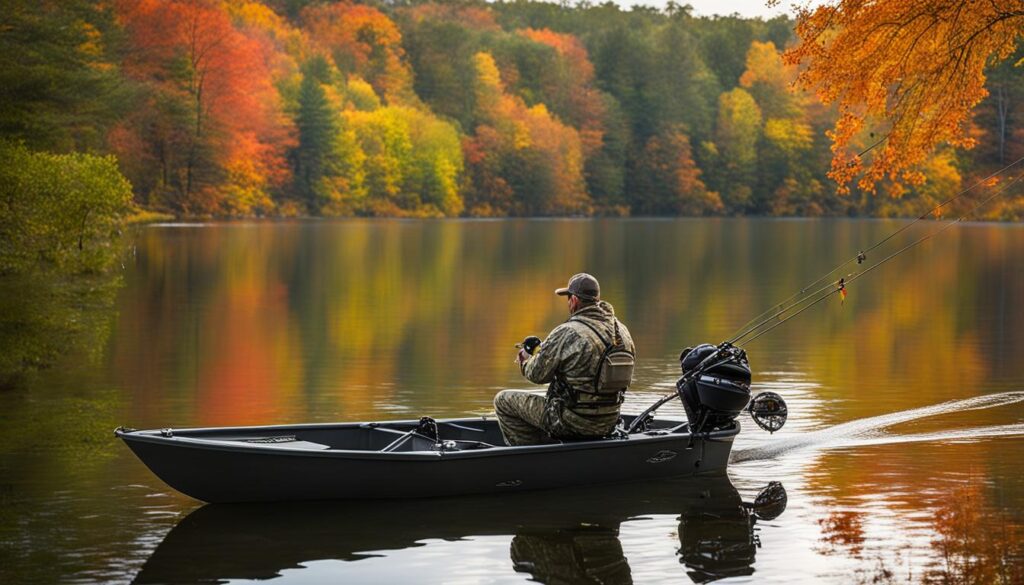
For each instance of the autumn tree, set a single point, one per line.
(787, 180)
(207, 135)
(329, 174)
(788, 185)
(905, 76)
(362, 41)
(942, 179)
(669, 181)
(569, 85)
(769, 80)
(522, 160)
(737, 132)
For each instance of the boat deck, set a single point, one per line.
(383, 437)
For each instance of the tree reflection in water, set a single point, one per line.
(842, 529)
(564, 536)
(977, 541)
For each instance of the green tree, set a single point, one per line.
(60, 218)
(724, 42)
(318, 155)
(684, 88)
(60, 86)
(59, 210)
(440, 52)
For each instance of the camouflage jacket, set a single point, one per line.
(572, 352)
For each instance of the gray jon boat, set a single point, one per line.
(429, 458)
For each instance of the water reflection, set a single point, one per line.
(45, 315)
(289, 322)
(284, 322)
(557, 536)
(976, 542)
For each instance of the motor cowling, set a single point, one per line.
(715, 386)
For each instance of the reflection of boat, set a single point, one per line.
(410, 459)
(562, 536)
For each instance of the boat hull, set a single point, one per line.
(209, 467)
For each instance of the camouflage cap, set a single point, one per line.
(583, 286)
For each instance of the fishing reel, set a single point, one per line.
(770, 502)
(530, 344)
(768, 410)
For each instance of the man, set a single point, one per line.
(576, 406)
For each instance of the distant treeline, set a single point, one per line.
(468, 108)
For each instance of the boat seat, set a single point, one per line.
(293, 444)
(303, 445)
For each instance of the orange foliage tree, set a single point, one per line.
(669, 180)
(521, 160)
(570, 88)
(363, 41)
(905, 75)
(210, 135)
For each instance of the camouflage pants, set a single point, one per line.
(521, 417)
(526, 418)
(587, 554)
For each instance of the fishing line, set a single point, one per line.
(838, 286)
(779, 309)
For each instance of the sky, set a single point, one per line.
(748, 8)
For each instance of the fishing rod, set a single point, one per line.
(777, 310)
(768, 409)
(839, 287)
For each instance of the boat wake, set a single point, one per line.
(871, 431)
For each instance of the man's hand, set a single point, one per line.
(526, 349)
(521, 357)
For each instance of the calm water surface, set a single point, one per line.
(902, 457)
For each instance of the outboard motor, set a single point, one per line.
(719, 391)
(715, 389)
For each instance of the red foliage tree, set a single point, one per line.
(211, 119)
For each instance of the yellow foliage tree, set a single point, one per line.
(521, 160)
(769, 80)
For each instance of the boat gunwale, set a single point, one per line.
(155, 436)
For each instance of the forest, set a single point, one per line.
(240, 108)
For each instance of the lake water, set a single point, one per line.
(902, 458)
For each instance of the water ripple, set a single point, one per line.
(869, 431)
